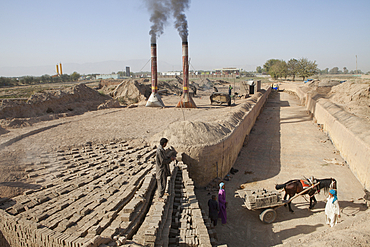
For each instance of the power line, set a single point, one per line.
(145, 64)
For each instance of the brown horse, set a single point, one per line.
(293, 187)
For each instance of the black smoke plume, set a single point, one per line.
(178, 7)
(160, 11)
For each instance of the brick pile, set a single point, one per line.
(255, 199)
(100, 195)
(190, 226)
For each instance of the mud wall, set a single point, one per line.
(344, 130)
(207, 162)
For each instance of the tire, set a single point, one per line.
(268, 215)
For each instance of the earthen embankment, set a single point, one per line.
(211, 148)
(349, 133)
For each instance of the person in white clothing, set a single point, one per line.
(332, 210)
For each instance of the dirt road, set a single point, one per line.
(285, 144)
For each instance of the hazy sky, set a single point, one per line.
(85, 34)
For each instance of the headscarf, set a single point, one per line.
(334, 193)
(221, 184)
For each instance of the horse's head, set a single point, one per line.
(327, 184)
(333, 184)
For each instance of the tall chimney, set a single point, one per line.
(60, 68)
(153, 53)
(186, 101)
(57, 69)
(154, 99)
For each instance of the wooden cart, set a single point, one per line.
(266, 201)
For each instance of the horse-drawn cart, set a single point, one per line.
(266, 201)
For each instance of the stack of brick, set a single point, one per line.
(103, 195)
(189, 227)
(83, 192)
(154, 230)
(254, 199)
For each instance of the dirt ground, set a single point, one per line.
(20, 147)
(284, 144)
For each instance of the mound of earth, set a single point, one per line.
(205, 132)
(51, 104)
(129, 92)
(172, 86)
(354, 97)
(351, 96)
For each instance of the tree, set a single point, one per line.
(259, 69)
(45, 78)
(75, 76)
(269, 64)
(276, 68)
(324, 71)
(345, 70)
(334, 70)
(306, 68)
(293, 66)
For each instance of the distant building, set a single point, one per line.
(109, 76)
(171, 73)
(228, 71)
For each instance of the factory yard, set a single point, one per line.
(284, 144)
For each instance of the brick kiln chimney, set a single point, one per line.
(154, 99)
(186, 101)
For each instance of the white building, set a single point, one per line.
(110, 76)
(171, 73)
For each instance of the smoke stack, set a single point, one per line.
(153, 53)
(60, 68)
(154, 99)
(57, 69)
(186, 101)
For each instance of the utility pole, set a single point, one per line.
(356, 64)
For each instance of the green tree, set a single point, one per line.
(307, 68)
(75, 76)
(324, 71)
(64, 78)
(345, 70)
(293, 66)
(6, 81)
(276, 68)
(45, 79)
(267, 66)
(259, 69)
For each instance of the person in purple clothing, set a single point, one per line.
(222, 203)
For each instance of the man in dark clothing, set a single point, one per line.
(162, 167)
(230, 88)
(213, 209)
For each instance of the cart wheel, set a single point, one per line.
(268, 215)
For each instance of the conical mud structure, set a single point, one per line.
(186, 101)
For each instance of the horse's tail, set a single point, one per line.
(280, 186)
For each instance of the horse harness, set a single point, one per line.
(308, 182)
